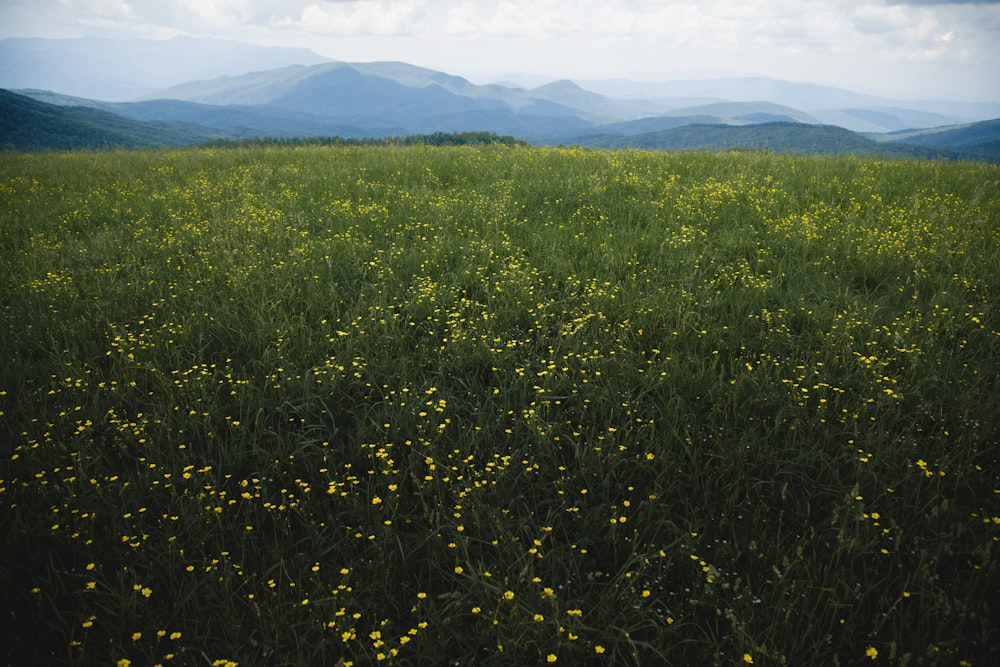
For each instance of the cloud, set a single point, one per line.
(688, 21)
(944, 2)
(883, 19)
(361, 17)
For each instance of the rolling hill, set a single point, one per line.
(229, 73)
(979, 140)
(236, 121)
(833, 106)
(30, 125)
(781, 137)
(391, 99)
(396, 98)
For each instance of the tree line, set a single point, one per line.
(433, 139)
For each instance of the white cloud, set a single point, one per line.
(881, 19)
(461, 21)
(372, 17)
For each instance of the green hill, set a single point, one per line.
(29, 125)
(780, 137)
(47, 121)
(978, 140)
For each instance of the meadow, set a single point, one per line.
(498, 405)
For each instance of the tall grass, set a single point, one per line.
(498, 406)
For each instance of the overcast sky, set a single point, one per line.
(906, 48)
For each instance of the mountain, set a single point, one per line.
(232, 121)
(882, 119)
(393, 98)
(29, 125)
(742, 113)
(341, 87)
(382, 99)
(223, 72)
(781, 137)
(121, 69)
(805, 96)
(593, 105)
(978, 140)
(972, 141)
(244, 121)
(808, 97)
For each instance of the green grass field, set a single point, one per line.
(498, 406)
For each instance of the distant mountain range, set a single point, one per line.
(976, 141)
(356, 100)
(29, 125)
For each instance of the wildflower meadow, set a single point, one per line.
(498, 405)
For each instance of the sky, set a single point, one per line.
(911, 49)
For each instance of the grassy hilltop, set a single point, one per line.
(498, 405)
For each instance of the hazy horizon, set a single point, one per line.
(907, 49)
